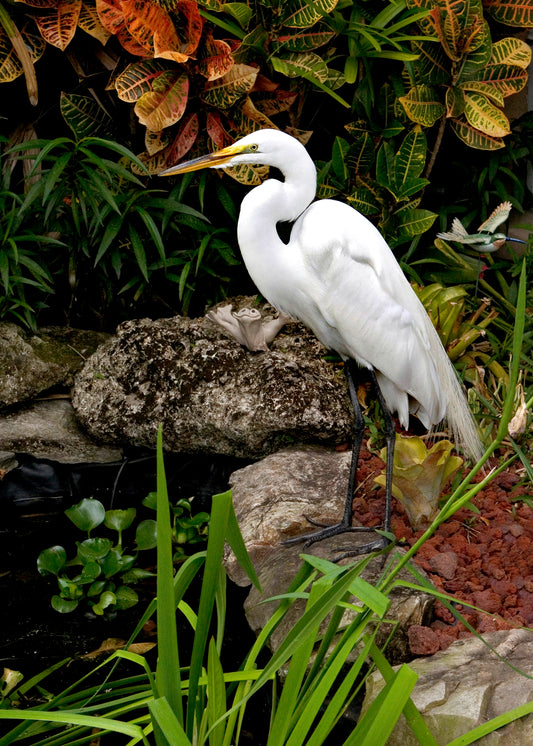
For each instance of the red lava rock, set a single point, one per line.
(444, 564)
(488, 601)
(490, 553)
(423, 640)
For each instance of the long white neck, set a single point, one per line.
(270, 203)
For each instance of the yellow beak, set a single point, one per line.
(220, 158)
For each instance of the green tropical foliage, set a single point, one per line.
(466, 79)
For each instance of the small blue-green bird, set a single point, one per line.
(485, 240)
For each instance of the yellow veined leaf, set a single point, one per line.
(249, 110)
(474, 138)
(479, 87)
(506, 79)
(293, 65)
(307, 40)
(137, 79)
(510, 12)
(421, 104)
(482, 115)
(364, 201)
(90, 22)
(165, 104)
(414, 222)
(248, 175)
(455, 102)
(226, 91)
(303, 14)
(154, 142)
(511, 51)
(84, 115)
(10, 65)
(274, 102)
(58, 25)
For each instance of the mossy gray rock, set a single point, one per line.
(31, 363)
(210, 393)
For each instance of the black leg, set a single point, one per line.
(390, 439)
(345, 525)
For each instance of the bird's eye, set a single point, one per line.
(253, 147)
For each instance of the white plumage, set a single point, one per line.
(339, 277)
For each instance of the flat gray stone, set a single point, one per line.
(468, 685)
(49, 429)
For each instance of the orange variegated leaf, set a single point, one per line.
(90, 22)
(138, 78)
(110, 15)
(215, 58)
(189, 25)
(58, 25)
(173, 153)
(225, 91)
(249, 110)
(40, 3)
(165, 104)
(143, 19)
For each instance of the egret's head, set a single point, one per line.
(265, 147)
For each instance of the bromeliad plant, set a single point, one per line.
(101, 573)
(419, 476)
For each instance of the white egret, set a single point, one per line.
(338, 276)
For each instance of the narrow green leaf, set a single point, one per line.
(168, 677)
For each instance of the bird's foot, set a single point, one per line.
(327, 532)
(372, 546)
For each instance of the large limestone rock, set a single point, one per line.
(271, 499)
(467, 685)
(31, 363)
(210, 393)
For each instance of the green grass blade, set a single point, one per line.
(168, 667)
(74, 718)
(295, 675)
(216, 695)
(167, 723)
(215, 547)
(236, 542)
(489, 727)
(378, 722)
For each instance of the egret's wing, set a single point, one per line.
(364, 307)
(496, 218)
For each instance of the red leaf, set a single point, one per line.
(216, 131)
(185, 139)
